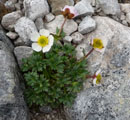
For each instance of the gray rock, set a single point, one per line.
(87, 25)
(9, 20)
(4, 39)
(35, 8)
(56, 5)
(122, 17)
(128, 17)
(84, 8)
(124, 22)
(77, 37)
(93, 3)
(110, 8)
(69, 27)
(116, 18)
(125, 8)
(22, 52)
(80, 49)
(49, 17)
(12, 35)
(18, 6)
(25, 27)
(10, 4)
(67, 39)
(78, 21)
(19, 42)
(39, 23)
(110, 100)
(12, 104)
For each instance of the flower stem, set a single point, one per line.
(89, 76)
(62, 26)
(87, 55)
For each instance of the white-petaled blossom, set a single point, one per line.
(97, 78)
(97, 44)
(43, 41)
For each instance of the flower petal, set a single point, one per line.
(66, 6)
(36, 47)
(72, 10)
(51, 40)
(34, 36)
(46, 49)
(98, 72)
(99, 50)
(44, 32)
(94, 81)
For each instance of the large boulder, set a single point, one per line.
(111, 99)
(12, 105)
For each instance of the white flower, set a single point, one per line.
(97, 78)
(43, 41)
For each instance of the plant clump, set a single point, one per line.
(53, 78)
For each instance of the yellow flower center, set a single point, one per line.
(97, 43)
(98, 77)
(43, 41)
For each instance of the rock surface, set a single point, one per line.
(77, 37)
(19, 42)
(84, 8)
(128, 17)
(35, 8)
(4, 39)
(111, 99)
(9, 20)
(56, 5)
(110, 8)
(12, 35)
(80, 49)
(25, 27)
(10, 4)
(67, 39)
(87, 25)
(69, 27)
(22, 52)
(125, 8)
(39, 23)
(49, 17)
(12, 105)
